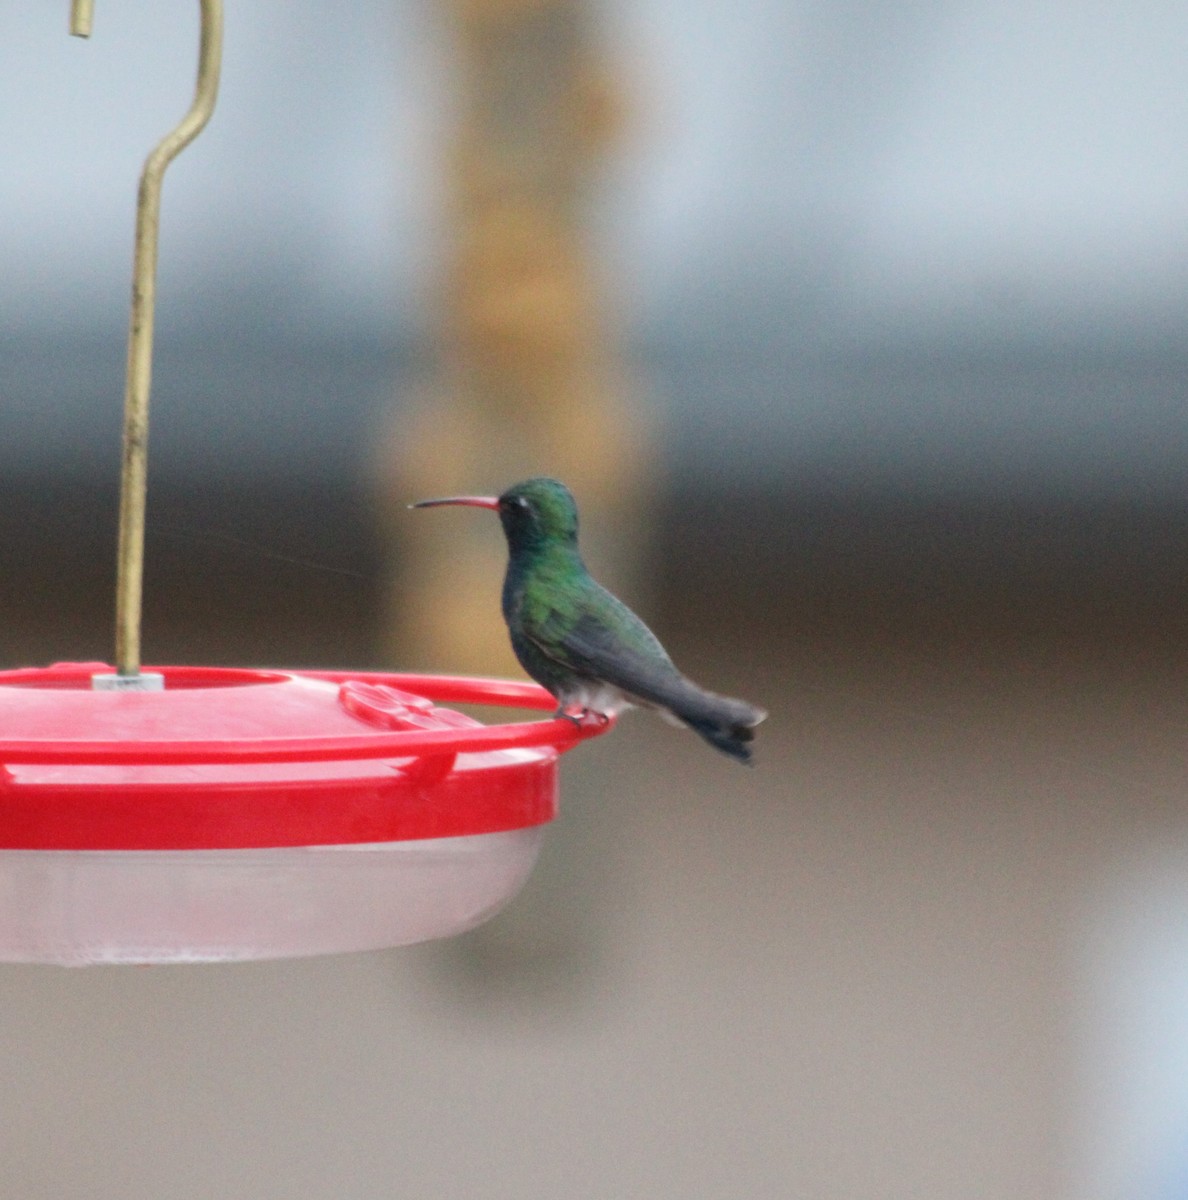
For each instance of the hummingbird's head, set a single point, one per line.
(534, 513)
(538, 511)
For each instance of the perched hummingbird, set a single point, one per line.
(583, 644)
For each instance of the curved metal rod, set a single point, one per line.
(133, 480)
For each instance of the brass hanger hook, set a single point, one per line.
(133, 479)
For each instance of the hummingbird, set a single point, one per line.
(578, 640)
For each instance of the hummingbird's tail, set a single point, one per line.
(727, 724)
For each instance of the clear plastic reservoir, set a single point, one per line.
(76, 908)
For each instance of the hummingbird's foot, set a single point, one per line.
(582, 716)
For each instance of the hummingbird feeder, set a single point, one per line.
(201, 814)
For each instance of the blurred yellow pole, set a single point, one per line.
(529, 381)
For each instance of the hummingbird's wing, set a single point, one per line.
(593, 635)
(607, 643)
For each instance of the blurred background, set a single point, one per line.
(859, 332)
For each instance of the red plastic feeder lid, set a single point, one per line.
(232, 759)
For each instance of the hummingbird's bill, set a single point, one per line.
(472, 501)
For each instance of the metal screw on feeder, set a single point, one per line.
(198, 814)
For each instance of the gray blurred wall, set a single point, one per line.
(895, 191)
